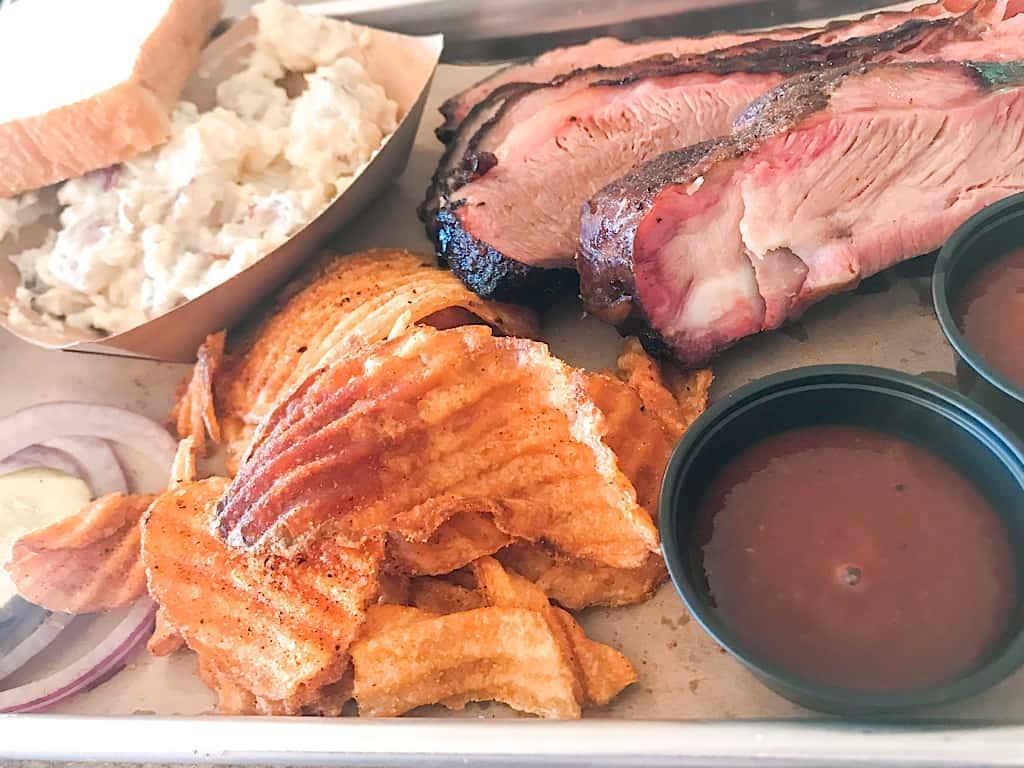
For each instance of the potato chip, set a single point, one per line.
(647, 407)
(195, 414)
(417, 429)
(276, 628)
(504, 589)
(576, 583)
(392, 462)
(442, 596)
(642, 434)
(488, 654)
(645, 419)
(383, 617)
(333, 697)
(602, 671)
(234, 699)
(165, 639)
(673, 396)
(580, 672)
(639, 439)
(395, 588)
(183, 468)
(457, 542)
(337, 306)
(86, 562)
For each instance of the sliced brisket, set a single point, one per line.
(827, 179)
(467, 155)
(611, 52)
(509, 207)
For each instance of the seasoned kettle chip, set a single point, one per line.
(644, 419)
(577, 583)
(399, 439)
(502, 588)
(195, 413)
(487, 654)
(383, 617)
(86, 562)
(639, 439)
(674, 396)
(647, 406)
(235, 699)
(274, 627)
(602, 671)
(457, 542)
(340, 305)
(165, 639)
(533, 657)
(438, 595)
(89, 561)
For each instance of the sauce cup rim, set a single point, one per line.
(960, 243)
(1001, 445)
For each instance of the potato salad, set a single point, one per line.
(231, 184)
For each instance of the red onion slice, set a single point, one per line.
(40, 456)
(79, 429)
(46, 421)
(100, 468)
(90, 669)
(41, 636)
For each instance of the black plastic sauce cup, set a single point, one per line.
(989, 234)
(908, 406)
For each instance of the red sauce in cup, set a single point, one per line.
(990, 315)
(858, 559)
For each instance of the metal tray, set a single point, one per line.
(693, 704)
(484, 31)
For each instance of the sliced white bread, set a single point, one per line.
(85, 84)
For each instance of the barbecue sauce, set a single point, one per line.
(857, 559)
(990, 315)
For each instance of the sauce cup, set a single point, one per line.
(888, 401)
(985, 237)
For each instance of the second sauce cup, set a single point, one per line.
(978, 292)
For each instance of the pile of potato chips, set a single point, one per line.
(412, 517)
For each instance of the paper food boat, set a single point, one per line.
(403, 65)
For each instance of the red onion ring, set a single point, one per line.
(36, 642)
(40, 456)
(70, 435)
(100, 468)
(88, 670)
(46, 421)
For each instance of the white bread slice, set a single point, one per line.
(90, 83)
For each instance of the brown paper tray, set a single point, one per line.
(403, 65)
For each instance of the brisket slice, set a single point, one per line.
(467, 155)
(828, 179)
(600, 52)
(611, 52)
(463, 159)
(551, 148)
(458, 165)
